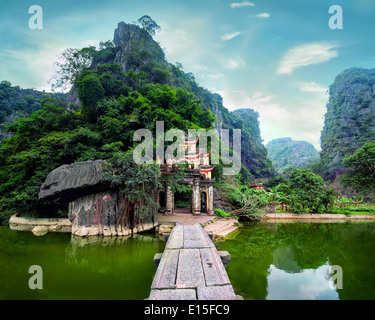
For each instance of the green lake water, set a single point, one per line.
(297, 261)
(268, 261)
(76, 268)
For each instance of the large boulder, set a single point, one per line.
(69, 182)
(94, 209)
(100, 214)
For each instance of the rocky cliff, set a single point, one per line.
(350, 118)
(285, 152)
(136, 50)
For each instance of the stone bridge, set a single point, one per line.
(191, 268)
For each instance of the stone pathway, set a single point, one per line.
(191, 268)
(219, 228)
(185, 219)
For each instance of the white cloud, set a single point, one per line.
(241, 4)
(181, 38)
(263, 15)
(233, 62)
(199, 67)
(304, 55)
(230, 36)
(299, 118)
(308, 284)
(312, 87)
(36, 65)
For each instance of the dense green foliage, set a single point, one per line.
(19, 103)
(361, 165)
(306, 192)
(55, 135)
(241, 199)
(285, 153)
(137, 183)
(350, 118)
(274, 182)
(115, 100)
(302, 192)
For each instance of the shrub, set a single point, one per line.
(221, 213)
(307, 192)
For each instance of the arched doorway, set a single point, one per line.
(162, 201)
(204, 202)
(183, 199)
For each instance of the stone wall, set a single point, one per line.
(98, 214)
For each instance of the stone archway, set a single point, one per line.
(198, 186)
(162, 200)
(204, 201)
(183, 201)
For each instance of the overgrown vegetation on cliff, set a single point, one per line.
(360, 173)
(103, 126)
(16, 102)
(286, 153)
(350, 118)
(122, 87)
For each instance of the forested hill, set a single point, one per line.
(350, 118)
(16, 102)
(135, 50)
(285, 153)
(117, 89)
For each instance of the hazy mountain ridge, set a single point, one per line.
(16, 102)
(285, 152)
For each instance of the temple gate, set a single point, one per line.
(197, 175)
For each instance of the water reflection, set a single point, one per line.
(114, 254)
(308, 284)
(292, 261)
(77, 268)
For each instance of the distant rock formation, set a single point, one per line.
(350, 118)
(285, 152)
(16, 102)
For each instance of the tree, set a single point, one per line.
(271, 183)
(149, 25)
(307, 192)
(90, 92)
(138, 185)
(361, 169)
(71, 64)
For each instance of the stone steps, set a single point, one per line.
(226, 232)
(221, 228)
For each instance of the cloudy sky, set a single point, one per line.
(278, 56)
